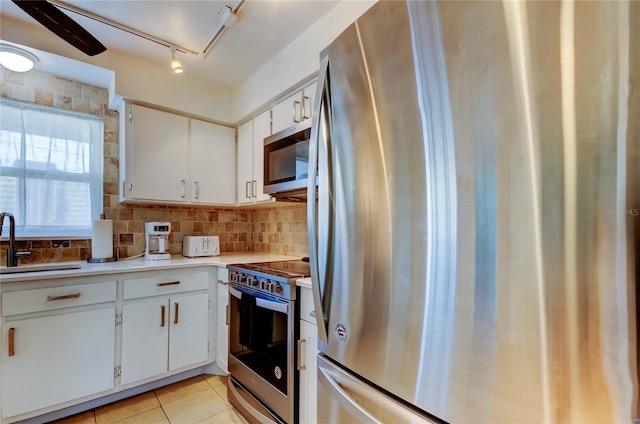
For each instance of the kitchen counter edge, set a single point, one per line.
(140, 264)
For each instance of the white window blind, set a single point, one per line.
(51, 163)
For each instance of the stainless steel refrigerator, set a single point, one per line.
(475, 239)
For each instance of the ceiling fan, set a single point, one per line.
(62, 25)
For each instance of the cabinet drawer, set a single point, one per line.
(307, 310)
(165, 284)
(37, 300)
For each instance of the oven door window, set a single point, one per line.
(258, 335)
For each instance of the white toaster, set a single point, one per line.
(193, 246)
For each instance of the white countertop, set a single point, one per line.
(140, 264)
(304, 282)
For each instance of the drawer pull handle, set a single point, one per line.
(312, 314)
(168, 283)
(63, 297)
(175, 318)
(12, 332)
(162, 314)
(300, 366)
(224, 283)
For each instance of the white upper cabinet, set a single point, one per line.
(251, 137)
(170, 158)
(293, 109)
(212, 170)
(158, 159)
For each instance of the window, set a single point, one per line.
(51, 163)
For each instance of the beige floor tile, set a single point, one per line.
(195, 407)
(87, 417)
(227, 416)
(126, 408)
(222, 391)
(153, 416)
(216, 380)
(181, 389)
(242, 418)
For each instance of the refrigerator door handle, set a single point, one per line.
(316, 276)
(339, 394)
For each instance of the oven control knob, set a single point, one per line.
(252, 281)
(264, 284)
(275, 287)
(240, 277)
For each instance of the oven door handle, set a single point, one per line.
(271, 305)
(235, 293)
(262, 303)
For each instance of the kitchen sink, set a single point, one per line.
(37, 268)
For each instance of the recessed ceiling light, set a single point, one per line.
(16, 59)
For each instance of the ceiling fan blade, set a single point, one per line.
(62, 25)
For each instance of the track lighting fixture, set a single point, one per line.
(176, 66)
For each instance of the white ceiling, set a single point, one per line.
(264, 27)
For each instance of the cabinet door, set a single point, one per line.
(213, 163)
(308, 96)
(222, 329)
(145, 332)
(261, 130)
(286, 113)
(159, 159)
(309, 375)
(57, 359)
(189, 330)
(245, 163)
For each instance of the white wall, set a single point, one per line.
(138, 80)
(296, 62)
(134, 79)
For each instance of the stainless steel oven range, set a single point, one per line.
(261, 339)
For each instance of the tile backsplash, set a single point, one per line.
(280, 229)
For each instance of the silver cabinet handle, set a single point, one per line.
(197, 184)
(224, 283)
(295, 102)
(304, 109)
(254, 188)
(64, 296)
(300, 366)
(246, 189)
(184, 188)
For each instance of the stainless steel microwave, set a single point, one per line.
(286, 162)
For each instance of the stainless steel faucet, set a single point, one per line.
(12, 252)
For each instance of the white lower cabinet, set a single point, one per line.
(308, 343)
(164, 333)
(63, 353)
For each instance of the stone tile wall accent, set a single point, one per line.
(281, 230)
(274, 230)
